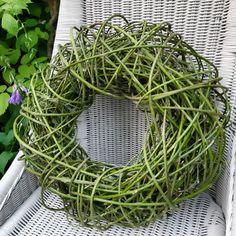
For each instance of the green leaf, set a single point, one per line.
(20, 79)
(41, 34)
(5, 159)
(31, 23)
(35, 10)
(4, 61)
(10, 89)
(48, 26)
(27, 83)
(28, 57)
(32, 69)
(7, 139)
(20, 41)
(10, 36)
(26, 71)
(31, 39)
(3, 50)
(27, 41)
(10, 24)
(3, 43)
(2, 88)
(14, 7)
(41, 66)
(8, 75)
(14, 56)
(14, 112)
(14, 109)
(4, 97)
(40, 60)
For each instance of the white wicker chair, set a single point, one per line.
(209, 26)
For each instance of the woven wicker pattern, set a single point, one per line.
(17, 195)
(201, 23)
(188, 220)
(126, 138)
(226, 188)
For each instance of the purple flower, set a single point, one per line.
(15, 98)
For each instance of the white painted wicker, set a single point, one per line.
(209, 26)
(15, 187)
(189, 221)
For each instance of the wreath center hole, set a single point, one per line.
(111, 130)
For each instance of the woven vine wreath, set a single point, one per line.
(153, 67)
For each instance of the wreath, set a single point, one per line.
(166, 78)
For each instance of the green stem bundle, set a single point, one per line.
(153, 67)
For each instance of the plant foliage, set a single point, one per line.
(24, 31)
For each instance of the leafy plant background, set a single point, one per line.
(24, 34)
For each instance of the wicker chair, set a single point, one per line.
(209, 26)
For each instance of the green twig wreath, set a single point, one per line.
(153, 67)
